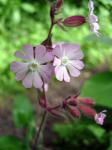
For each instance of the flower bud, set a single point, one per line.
(74, 112)
(72, 103)
(74, 21)
(87, 111)
(87, 101)
(59, 4)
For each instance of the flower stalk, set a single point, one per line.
(37, 136)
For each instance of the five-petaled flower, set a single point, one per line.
(99, 118)
(93, 19)
(35, 67)
(67, 61)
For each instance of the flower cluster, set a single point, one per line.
(37, 65)
(62, 60)
(76, 105)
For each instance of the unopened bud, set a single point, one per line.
(87, 111)
(74, 112)
(72, 103)
(59, 4)
(87, 101)
(74, 21)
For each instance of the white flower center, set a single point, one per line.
(64, 60)
(33, 66)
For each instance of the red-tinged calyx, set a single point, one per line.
(87, 111)
(48, 43)
(74, 21)
(55, 7)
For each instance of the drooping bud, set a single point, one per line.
(74, 112)
(87, 101)
(87, 111)
(74, 21)
(72, 103)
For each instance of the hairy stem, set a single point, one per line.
(37, 136)
(50, 30)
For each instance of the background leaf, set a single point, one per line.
(22, 111)
(99, 88)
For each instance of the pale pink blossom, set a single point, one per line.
(34, 69)
(99, 118)
(67, 61)
(93, 19)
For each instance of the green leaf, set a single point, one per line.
(10, 143)
(99, 88)
(22, 111)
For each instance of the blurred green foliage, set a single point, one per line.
(10, 143)
(80, 135)
(22, 113)
(23, 119)
(26, 22)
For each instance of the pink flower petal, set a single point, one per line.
(37, 81)
(76, 55)
(69, 49)
(40, 51)
(73, 71)
(46, 71)
(26, 54)
(17, 66)
(21, 74)
(93, 18)
(28, 80)
(99, 118)
(57, 62)
(59, 73)
(66, 75)
(29, 51)
(91, 5)
(58, 50)
(77, 64)
(46, 58)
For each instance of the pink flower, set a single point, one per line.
(99, 118)
(67, 61)
(34, 68)
(93, 19)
